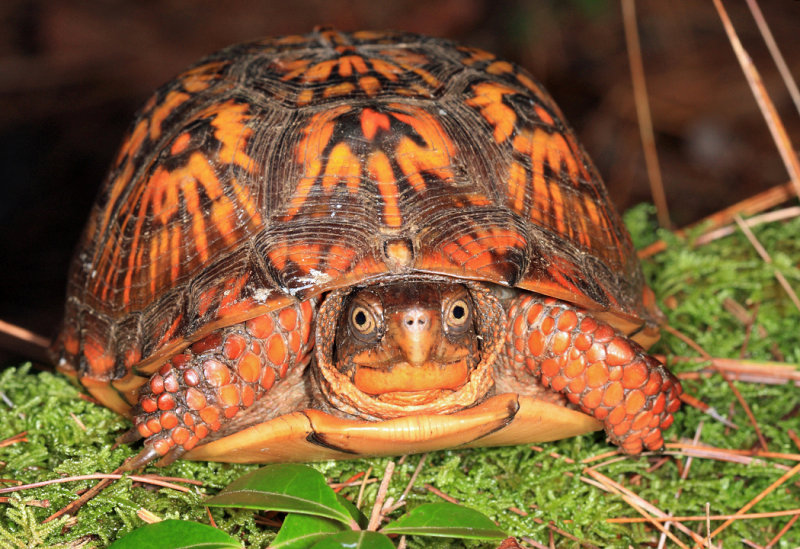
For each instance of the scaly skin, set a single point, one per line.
(199, 390)
(597, 368)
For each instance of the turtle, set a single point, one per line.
(339, 244)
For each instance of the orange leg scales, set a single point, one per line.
(598, 369)
(200, 390)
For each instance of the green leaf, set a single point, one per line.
(175, 534)
(285, 487)
(303, 531)
(355, 540)
(445, 520)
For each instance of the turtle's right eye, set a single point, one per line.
(364, 322)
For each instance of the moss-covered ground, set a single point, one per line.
(533, 493)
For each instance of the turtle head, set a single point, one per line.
(408, 338)
(407, 347)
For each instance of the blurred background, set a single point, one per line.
(72, 73)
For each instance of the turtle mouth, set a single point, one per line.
(408, 378)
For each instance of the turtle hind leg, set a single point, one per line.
(198, 392)
(597, 368)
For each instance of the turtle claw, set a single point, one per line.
(129, 436)
(141, 459)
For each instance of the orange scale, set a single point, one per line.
(596, 353)
(560, 342)
(615, 373)
(616, 415)
(216, 373)
(575, 368)
(232, 411)
(294, 342)
(249, 367)
(655, 421)
(653, 384)
(536, 342)
(276, 349)
(533, 313)
(659, 404)
(597, 375)
(143, 430)
(653, 440)
(201, 431)
(641, 420)
(261, 326)
(161, 446)
(600, 413)
(621, 428)
(210, 415)
(576, 386)
(591, 400)
(229, 395)
(166, 402)
(614, 394)
(168, 420)
(188, 419)
(248, 396)
(156, 384)
(267, 378)
(558, 383)
(195, 399)
(550, 367)
(634, 375)
(180, 435)
(519, 344)
(165, 369)
(190, 443)
(604, 333)
(153, 425)
(234, 346)
(191, 378)
(582, 342)
(667, 422)
(634, 401)
(171, 383)
(287, 318)
(619, 352)
(632, 446)
(547, 325)
(674, 405)
(284, 367)
(519, 326)
(149, 405)
(567, 321)
(180, 361)
(588, 325)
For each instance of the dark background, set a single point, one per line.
(72, 73)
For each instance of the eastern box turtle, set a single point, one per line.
(359, 244)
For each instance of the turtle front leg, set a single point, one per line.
(215, 379)
(597, 368)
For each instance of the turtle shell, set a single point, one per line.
(282, 169)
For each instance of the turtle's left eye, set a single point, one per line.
(457, 315)
(364, 322)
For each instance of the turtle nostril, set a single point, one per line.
(415, 319)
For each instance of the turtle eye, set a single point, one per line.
(363, 322)
(457, 315)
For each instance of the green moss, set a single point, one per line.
(692, 285)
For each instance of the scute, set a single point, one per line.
(285, 168)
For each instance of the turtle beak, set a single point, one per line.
(415, 332)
